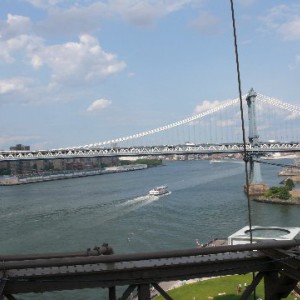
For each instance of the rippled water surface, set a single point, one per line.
(206, 201)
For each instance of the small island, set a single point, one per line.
(281, 195)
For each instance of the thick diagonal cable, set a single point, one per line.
(242, 118)
(243, 127)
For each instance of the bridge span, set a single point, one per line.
(261, 148)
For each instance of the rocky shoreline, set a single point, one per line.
(276, 201)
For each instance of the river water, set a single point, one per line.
(206, 201)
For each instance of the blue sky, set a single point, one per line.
(79, 72)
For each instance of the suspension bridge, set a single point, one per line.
(212, 130)
(277, 263)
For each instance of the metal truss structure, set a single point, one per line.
(149, 150)
(277, 262)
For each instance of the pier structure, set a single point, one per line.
(256, 184)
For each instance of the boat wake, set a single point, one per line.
(106, 211)
(141, 200)
(127, 206)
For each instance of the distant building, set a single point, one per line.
(19, 147)
(33, 166)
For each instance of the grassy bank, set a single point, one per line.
(222, 288)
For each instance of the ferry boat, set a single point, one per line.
(159, 190)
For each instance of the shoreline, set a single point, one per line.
(276, 201)
(20, 180)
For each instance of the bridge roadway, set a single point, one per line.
(148, 150)
(101, 269)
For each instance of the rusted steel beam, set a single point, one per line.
(67, 261)
(130, 274)
(270, 280)
(289, 272)
(144, 292)
(278, 287)
(112, 293)
(69, 273)
(105, 249)
(250, 288)
(127, 292)
(291, 259)
(10, 297)
(3, 281)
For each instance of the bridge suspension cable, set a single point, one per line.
(163, 128)
(265, 99)
(279, 104)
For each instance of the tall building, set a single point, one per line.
(19, 147)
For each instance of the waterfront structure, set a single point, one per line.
(261, 233)
(256, 185)
(34, 166)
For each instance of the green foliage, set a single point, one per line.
(4, 172)
(148, 162)
(103, 165)
(278, 192)
(289, 183)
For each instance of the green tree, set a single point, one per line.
(148, 162)
(278, 192)
(4, 172)
(289, 183)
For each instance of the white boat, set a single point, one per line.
(159, 190)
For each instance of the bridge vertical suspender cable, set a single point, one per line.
(242, 117)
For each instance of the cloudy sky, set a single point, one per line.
(79, 72)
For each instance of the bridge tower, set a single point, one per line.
(256, 185)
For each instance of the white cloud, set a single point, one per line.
(16, 36)
(76, 62)
(15, 25)
(291, 29)
(66, 64)
(73, 20)
(145, 12)
(22, 43)
(284, 20)
(12, 85)
(220, 122)
(44, 3)
(293, 116)
(206, 105)
(67, 16)
(98, 105)
(70, 62)
(206, 23)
